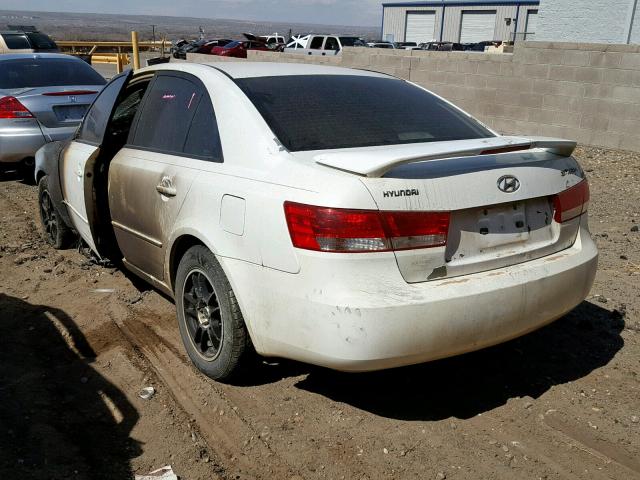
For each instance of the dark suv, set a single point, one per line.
(20, 39)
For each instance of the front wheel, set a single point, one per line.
(211, 324)
(56, 232)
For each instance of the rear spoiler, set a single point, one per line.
(376, 162)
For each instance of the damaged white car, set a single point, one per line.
(338, 217)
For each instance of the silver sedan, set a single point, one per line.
(43, 98)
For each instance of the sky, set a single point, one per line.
(330, 12)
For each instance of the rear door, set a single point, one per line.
(331, 46)
(149, 179)
(77, 159)
(315, 45)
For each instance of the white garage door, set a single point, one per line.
(477, 26)
(532, 22)
(420, 27)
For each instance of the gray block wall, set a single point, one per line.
(584, 92)
(597, 21)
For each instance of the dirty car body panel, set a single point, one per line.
(411, 234)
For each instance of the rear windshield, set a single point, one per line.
(47, 72)
(40, 41)
(322, 112)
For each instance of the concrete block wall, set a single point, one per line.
(602, 21)
(585, 92)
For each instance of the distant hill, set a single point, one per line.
(93, 26)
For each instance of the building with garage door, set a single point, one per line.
(459, 21)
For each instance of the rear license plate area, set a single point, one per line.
(66, 113)
(501, 225)
(498, 230)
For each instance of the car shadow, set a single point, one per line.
(59, 418)
(467, 385)
(10, 175)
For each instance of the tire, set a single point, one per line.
(211, 324)
(56, 232)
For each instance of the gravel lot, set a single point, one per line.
(79, 341)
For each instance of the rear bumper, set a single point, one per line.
(375, 320)
(19, 140)
(22, 140)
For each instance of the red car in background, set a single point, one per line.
(239, 49)
(211, 44)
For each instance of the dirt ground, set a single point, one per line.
(79, 341)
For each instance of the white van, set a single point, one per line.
(322, 44)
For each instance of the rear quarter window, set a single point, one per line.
(323, 112)
(203, 139)
(16, 41)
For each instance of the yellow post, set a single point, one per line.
(136, 51)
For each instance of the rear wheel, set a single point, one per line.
(211, 324)
(56, 232)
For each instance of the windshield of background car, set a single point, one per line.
(323, 112)
(232, 45)
(352, 42)
(47, 72)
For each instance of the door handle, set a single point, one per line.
(166, 188)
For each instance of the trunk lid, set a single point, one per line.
(501, 204)
(56, 107)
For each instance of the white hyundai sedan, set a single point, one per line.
(339, 217)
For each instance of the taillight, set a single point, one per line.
(10, 107)
(355, 231)
(571, 203)
(69, 92)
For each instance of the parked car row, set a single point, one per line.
(228, 48)
(436, 46)
(311, 44)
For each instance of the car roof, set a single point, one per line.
(23, 56)
(272, 69)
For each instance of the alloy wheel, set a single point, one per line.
(202, 314)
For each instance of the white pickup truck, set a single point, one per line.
(325, 45)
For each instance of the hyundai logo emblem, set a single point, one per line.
(509, 184)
